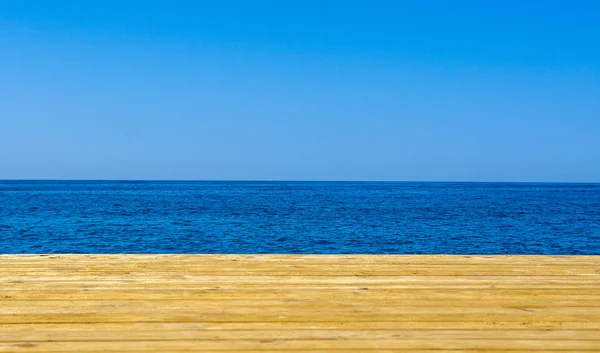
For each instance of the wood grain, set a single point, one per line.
(299, 303)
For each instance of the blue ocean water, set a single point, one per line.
(298, 217)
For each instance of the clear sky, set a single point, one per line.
(307, 90)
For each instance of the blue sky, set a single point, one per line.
(303, 90)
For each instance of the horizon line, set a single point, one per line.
(302, 181)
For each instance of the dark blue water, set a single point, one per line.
(298, 217)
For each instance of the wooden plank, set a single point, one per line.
(212, 258)
(365, 310)
(291, 284)
(296, 279)
(178, 335)
(25, 348)
(309, 325)
(576, 302)
(255, 315)
(269, 344)
(317, 272)
(358, 294)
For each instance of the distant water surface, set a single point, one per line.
(298, 217)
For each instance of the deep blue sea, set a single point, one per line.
(298, 217)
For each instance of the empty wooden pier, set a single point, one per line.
(294, 303)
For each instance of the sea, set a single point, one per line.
(298, 217)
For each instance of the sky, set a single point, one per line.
(300, 90)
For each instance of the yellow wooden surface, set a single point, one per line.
(299, 303)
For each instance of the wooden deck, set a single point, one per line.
(318, 303)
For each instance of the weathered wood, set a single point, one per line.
(432, 343)
(294, 303)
